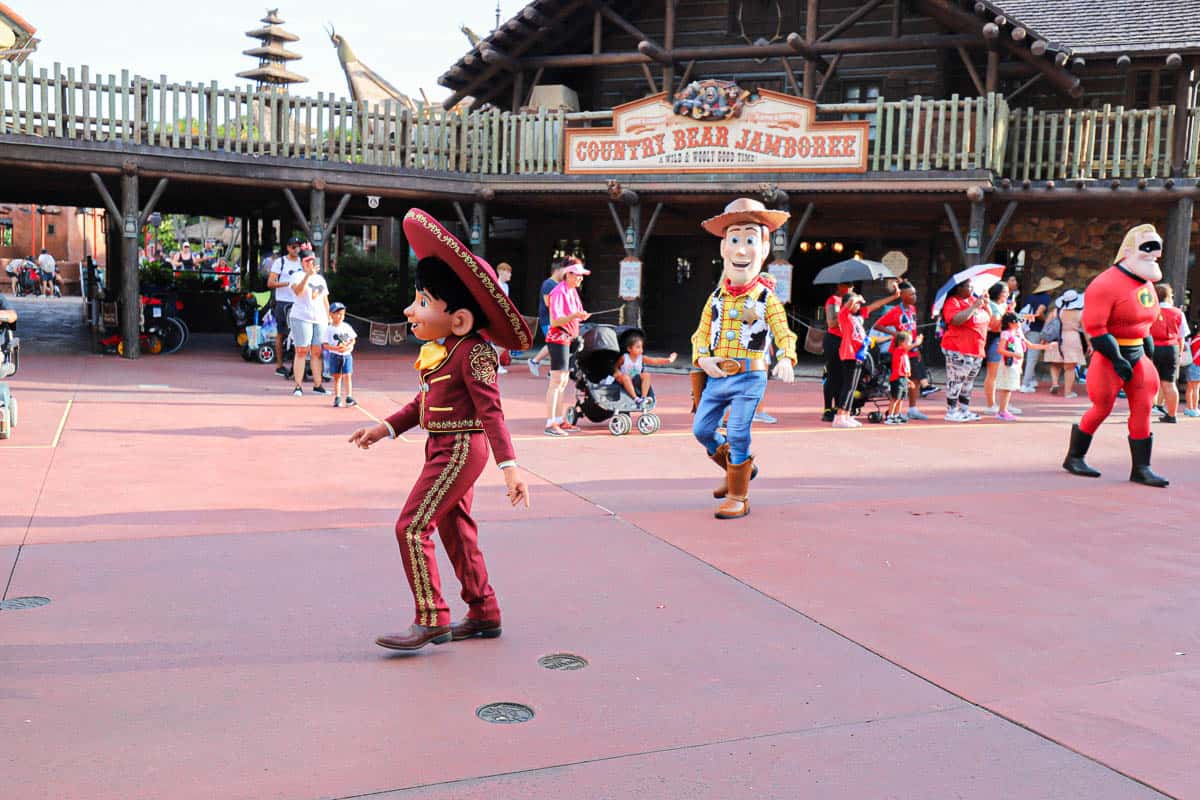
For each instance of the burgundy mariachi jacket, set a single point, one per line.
(460, 395)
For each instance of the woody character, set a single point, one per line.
(1119, 307)
(458, 298)
(729, 348)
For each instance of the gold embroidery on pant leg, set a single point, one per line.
(422, 589)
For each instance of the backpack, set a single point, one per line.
(1052, 331)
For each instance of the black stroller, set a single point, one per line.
(598, 396)
(29, 280)
(10, 360)
(873, 385)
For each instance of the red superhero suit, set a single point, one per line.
(1119, 307)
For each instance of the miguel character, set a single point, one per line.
(729, 348)
(458, 297)
(1119, 306)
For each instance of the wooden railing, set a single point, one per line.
(1096, 144)
(61, 104)
(912, 135)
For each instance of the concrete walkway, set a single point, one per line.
(916, 612)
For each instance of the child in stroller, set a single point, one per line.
(630, 370)
(599, 396)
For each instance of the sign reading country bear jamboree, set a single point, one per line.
(715, 126)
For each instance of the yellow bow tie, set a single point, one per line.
(432, 354)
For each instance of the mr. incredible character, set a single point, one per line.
(729, 348)
(1119, 306)
(458, 297)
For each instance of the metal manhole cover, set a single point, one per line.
(18, 603)
(563, 661)
(504, 713)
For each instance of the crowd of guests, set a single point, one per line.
(40, 273)
(185, 260)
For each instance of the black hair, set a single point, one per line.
(904, 286)
(631, 337)
(957, 290)
(1008, 319)
(436, 278)
(996, 290)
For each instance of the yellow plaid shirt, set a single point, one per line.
(737, 314)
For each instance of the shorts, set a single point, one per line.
(1008, 378)
(339, 363)
(307, 334)
(993, 351)
(560, 356)
(1193, 373)
(1166, 361)
(898, 388)
(282, 311)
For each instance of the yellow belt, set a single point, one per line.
(1130, 342)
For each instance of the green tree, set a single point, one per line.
(370, 286)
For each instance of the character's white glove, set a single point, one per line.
(784, 371)
(711, 366)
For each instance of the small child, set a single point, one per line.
(899, 379)
(1013, 346)
(852, 353)
(630, 369)
(339, 348)
(1193, 379)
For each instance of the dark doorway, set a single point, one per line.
(678, 273)
(809, 258)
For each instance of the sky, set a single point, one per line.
(408, 42)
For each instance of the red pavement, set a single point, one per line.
(920, 612)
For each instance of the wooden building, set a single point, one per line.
(1070, 122)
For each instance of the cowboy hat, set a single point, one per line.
(505, 325)
(744, 210)
(1046, 285)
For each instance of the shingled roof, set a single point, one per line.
(1109, 27)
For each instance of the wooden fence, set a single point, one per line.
(912, 135)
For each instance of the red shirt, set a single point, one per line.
(854, 333)
(1167, 328)
(968, 338)
(1196, 349)
(900, 317)
(901, 367)
(1119, 303)
(834, 305)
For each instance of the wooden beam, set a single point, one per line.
(491, 55)
(668, 73)
(645, 237)
(462, 218)
(897, 18)
(993, 70)
(811, 15)
(848, 22)
(687, 73)
(1016, 92)
(597, 32)
(798, 231)
(974, 73)
(956, 230)
(654, 52)
(787, 68)
(998, 231)
(155, 196)
(337, 212)
(833, 65)
(110, 205)
(612, 16)
(649, 78)
(537, 79)
(297, 212)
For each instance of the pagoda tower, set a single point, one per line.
(272, 56)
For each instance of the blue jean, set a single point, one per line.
(739, 393)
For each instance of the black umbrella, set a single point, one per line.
(852, 270)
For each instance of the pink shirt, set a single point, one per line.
(564, 301)
(1013, 345)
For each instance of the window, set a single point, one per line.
(862, 92)
(6, 232)
(1153, 88)
(50, 229)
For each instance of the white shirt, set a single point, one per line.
(46, 262)
(339, 334)
(503, 285)
(309, 304)
(286, 268)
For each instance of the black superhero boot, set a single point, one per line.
(1074, 463)
(1139, 450)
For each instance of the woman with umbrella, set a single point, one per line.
(966, 317)
(843, 276)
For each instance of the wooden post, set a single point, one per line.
(316, 220)
(1183, 94)
(668, 73)
(810, 36)
(131, 307)
(993, 71)
(1178, 244)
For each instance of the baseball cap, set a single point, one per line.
(336, 307)
(295, 240)
(306, 252)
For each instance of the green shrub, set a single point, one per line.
(371, 286)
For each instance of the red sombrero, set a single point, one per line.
(426, 236)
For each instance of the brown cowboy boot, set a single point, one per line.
(737, 502)
(721, 459)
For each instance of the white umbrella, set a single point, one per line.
(981, 276)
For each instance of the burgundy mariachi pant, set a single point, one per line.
(441, 498)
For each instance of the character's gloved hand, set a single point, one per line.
(710, 365)
(1123, 369)
(1148, 346)
(1107, 346)
(784, 371)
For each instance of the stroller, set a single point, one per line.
(253, 325)
(29, 280)
(598, 396)
(10, 360)
(873, 385)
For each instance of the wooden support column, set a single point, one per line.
(668, 73)
(993, 70)
(518, 92)
(315, 225)
(810, 36)
(1182, 102)
(477, 234)
(974, 240)
(1177, 241)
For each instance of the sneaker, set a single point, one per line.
(764, 417)
(1027, 389)
(1158, 409)
(893, 420)
(1070, 395)
(1055, 389)
(827, 415)
(320, 390)
(1191, 412)
(1015, 410)
(297, 392)
(928, 390)
(916, 413)
(1007, 417)
(533, 368)
(640, 402)
(337, 402)
(555, 430)
(992, 409)
(282, 372)
(350, 401)
(502, 371)
(954, 415)
(847, 422)
(1168, 418)
(969, 415)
